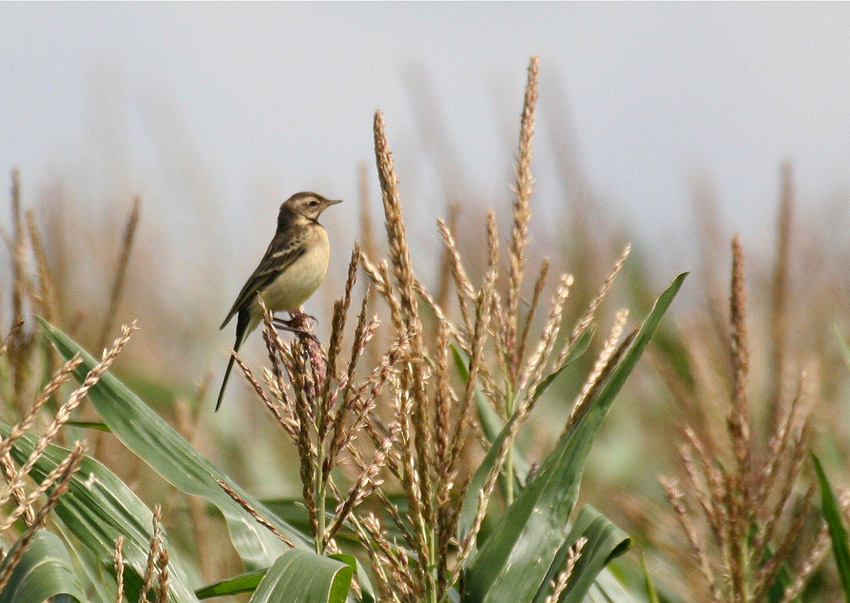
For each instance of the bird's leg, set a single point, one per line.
(299, 315)
(298, 324)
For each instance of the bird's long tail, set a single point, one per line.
(241, 333)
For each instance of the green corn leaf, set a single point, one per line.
(293, 511)
(248, 583)
(243, 583)
(44, 571)
(577, 352)
(651, 593)
(97, 509)
(604, 542)
(513, 562)
(833, 516)
(89, 425)
(367, 591)
(607, 589)
(491, 421)
(99, 576)
(159, 445)
(300, 576)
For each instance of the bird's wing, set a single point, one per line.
(282, 252)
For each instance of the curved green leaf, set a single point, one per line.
(577, 352)
(491, 423)
(243, 583)
(159, 445)
(43, 571)
(97, 509)
(513, 562)
(784, 579)
(89, 425)
(367, 591)
(98, 576)
(491, 427)
(247, 583)
(293, 511)
(833, 516)
(607, 589)
(651, 593)
(604, 542)
(302, 576)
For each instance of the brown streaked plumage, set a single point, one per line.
(291, 270)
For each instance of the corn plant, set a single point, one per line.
(406, 428)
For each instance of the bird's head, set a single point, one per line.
(308, 205)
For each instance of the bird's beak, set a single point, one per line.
(330, 202)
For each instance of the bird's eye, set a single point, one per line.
(313, 203)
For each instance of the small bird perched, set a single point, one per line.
(291, 270)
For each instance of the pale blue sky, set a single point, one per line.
(223, 109)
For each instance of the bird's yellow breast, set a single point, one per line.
(298, 282)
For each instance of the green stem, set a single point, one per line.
(432, 564)
(510, 402)
(509, 476)
(319, 497)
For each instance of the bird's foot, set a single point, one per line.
(302, 316)
(298, 323)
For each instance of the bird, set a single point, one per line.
(292, 268)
